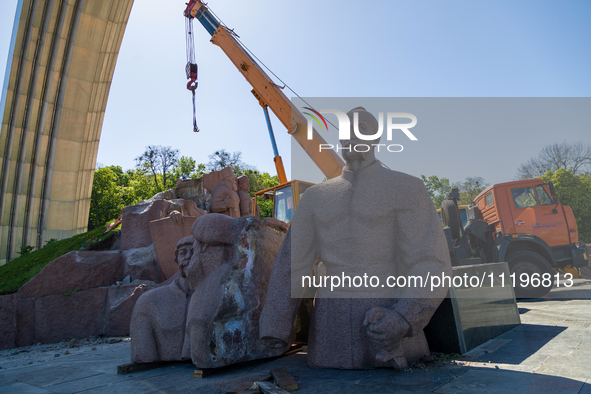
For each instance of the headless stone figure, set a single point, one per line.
(370, 220)
(224, 198)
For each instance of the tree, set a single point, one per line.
(105, 202)
(148, 161)
(470, 188)
(438, 188)
(222, 159)
(158, 160)
(113, 189)
(574, 191)
(137, 188)
(185, 167)
(198, 173)
(575, 156)
(265, 207)
(258, 181)
(157, 169)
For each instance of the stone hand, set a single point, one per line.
(386, 328)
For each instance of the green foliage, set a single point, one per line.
(50, 241)
(160, 162)
(67, 293)
(19, 271)
(574, 191)
(438, 188)
(184, 168)
(470, 188)
(138, 187)
(266, 207)
(25, 249)
(102, 241)
(258, 181)
(106, 201)
(113, 189)
(199, 171)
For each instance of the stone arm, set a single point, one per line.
(285, 285)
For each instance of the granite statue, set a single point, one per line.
(369, 220)
(245, 199)
(208, 312)
(222, 186)
(158, 321)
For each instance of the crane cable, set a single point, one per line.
(191, 68)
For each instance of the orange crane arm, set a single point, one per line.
(266, 91)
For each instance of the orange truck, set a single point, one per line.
(522, 223)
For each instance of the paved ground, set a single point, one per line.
(549, 353)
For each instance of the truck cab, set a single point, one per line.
(286, 198)
(526, 207)
(520, 222)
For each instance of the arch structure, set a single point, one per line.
(58, 75)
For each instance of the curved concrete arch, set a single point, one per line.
(59, 72)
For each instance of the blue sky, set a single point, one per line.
(339, 48)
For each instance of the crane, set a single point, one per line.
(269, 95)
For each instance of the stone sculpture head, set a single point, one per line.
(244, 183)
(368, 125)
(183, 254)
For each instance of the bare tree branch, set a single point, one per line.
(566, 155)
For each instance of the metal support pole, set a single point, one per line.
(271, 135)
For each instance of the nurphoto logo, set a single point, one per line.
(345, 129)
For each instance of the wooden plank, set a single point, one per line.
(283, 379)
(205, 372)
(296, 347)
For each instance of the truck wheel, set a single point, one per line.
(450, 217)
(530, 263)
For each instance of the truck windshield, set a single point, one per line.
(284, 204)
(524, 197)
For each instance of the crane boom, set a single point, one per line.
(266, 90)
